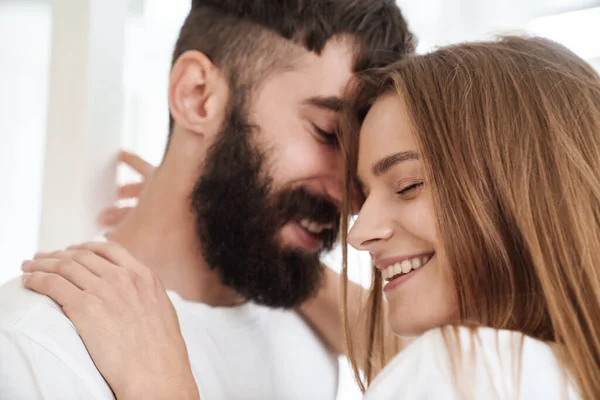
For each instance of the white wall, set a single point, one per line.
(25, 30)
(84, 118)
(439, 22)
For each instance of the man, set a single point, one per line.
(245, 200)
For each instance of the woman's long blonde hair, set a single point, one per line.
(509, 134)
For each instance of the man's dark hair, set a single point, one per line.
(250, 39)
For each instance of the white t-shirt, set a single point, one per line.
(491, 369)
(248, 352)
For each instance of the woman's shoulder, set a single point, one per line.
(462, 362)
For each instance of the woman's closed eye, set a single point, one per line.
(411, 189)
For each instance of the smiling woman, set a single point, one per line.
(478, 165)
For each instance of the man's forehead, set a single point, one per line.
(312, 80)
(330, 71)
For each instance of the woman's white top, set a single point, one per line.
(491, 364)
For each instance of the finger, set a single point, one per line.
(111, 216)
(130, 191)
(138, 164)
(112, 252)
(59, 254)
(87, 259)
(54, 286)
(47, 254)
(70, 270)
(41, 255)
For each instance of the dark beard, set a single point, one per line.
(238, 217)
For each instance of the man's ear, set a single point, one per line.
(198, 94)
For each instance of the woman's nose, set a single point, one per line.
(370, 229)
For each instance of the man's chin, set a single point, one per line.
(284, 282)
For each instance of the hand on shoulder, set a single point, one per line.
(124, 316)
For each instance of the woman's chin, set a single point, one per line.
(409, 320)
(408, 333)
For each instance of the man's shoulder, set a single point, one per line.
(35, 333)
(23, 309)
(37, 319)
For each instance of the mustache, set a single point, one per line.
(297, 204)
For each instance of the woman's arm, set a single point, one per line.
(124, 316)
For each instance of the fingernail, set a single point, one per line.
(26, 264)
(25, 276)
(107, 217)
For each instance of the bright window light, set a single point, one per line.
(577, 30)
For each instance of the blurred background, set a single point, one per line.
(80, 79)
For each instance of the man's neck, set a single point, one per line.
(160, 233)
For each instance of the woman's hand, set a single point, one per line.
(124, 316)
(111, 216)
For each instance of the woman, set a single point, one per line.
(478, 165)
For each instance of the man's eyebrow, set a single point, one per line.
(331, 103)
(384, 165)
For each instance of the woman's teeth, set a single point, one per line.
(404, 267)
(314, 227)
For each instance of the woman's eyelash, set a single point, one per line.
(410, 188)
